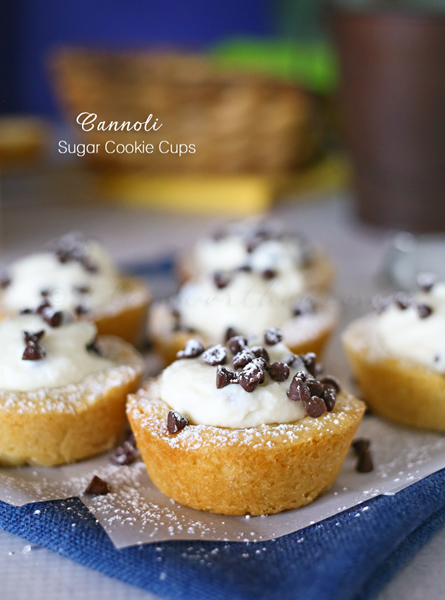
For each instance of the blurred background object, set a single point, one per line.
(392, 92)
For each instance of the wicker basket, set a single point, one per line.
(239, 123)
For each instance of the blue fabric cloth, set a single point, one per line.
(346, 557)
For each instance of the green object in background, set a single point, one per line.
(313, 64)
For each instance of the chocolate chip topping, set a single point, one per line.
(315, 387)
(279, 371)
(80, 310)
(329, 396)
(221, 280)
(5, 282)
(310, 361)
(82, 289)
(237, 343)
(298, 390)
(45, 293)
(192, 349)
(98, 487)
(426, 281)
(330, 381)
(403, 301)
(43, 307)
(250, 377)
(304, 306)
(53, 318)
(230, 333)
(272, 336)
(244, 269)
(260, 352)
(124, 455)
(364, 458)
(33, 350)
(216, 355)
(424, 310)
(224, 377)
(243, 358)
(72, 248)
(94, 347)
(176, 421)
(315, 407)
(269, 274)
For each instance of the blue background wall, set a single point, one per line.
(31, 29)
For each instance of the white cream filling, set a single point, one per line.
(249, 304)
(42, 271)
(403, 334)
(188, 386)
(66, 361)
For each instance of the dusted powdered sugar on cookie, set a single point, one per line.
(35, 355)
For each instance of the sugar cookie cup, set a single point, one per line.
(253, 470)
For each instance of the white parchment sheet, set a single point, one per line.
(135, 512)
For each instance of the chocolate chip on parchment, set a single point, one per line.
(269, 273)
(426, 281)
(176, 421)
(216, 355)
(309, 360)
(329, 380)
(33, 350)
(124, 455)
(329, 396)
(250, 377)
(403, 301)
(424, 310)
(237, 343)
(98, 487)
(243, 358)
(273, 336)
(193, 349)
(364, 459)
(298, 390)
(279, 371)
(224, 377)
(221, 280)
(315, 407)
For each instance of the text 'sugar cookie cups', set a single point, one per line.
(398, 356)
(62, 389)
(243, 428)
(76, 274)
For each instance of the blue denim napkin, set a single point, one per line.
(347, 557)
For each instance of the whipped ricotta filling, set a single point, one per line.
(188, 386)
(66, 358)
(249, 304)
(66, 285)
(404, 334)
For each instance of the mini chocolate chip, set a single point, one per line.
(279, 371)
(33, 338)
(45, 293)
(221, 280)
(244, 269)
(305, 306)
(216, 355)
(193, 349)
(273, 336)
(298, 390)
(93, 347)
(260, 352)
(224, 377)
(315, 407)
(250, 377)
(315, 387)
(42, 307)
(363, 452)
(426, 281)
(309, 360)
(26, 311)
(176, 421)
(424, 310)
(243, 358)
(33, 350)
(329, 380)
(53, 318)
(80, 310)
(124, 455)
(82, 289)
(5, 282)
(237, 343)
(269, 273)
(184, 328)
(88, 265)
(230, 333)
(329, 396)
(402, 300)
(98, 487)
(290, 360)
